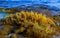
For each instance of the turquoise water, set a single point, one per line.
(3, 15)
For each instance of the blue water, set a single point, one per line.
(35, 0)
(11, 4)
(53, 5)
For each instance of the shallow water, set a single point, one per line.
(3, 15)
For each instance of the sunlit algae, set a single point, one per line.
(29, 25)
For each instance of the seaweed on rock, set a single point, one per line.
(30, 25)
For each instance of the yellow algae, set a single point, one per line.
(31, 24)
